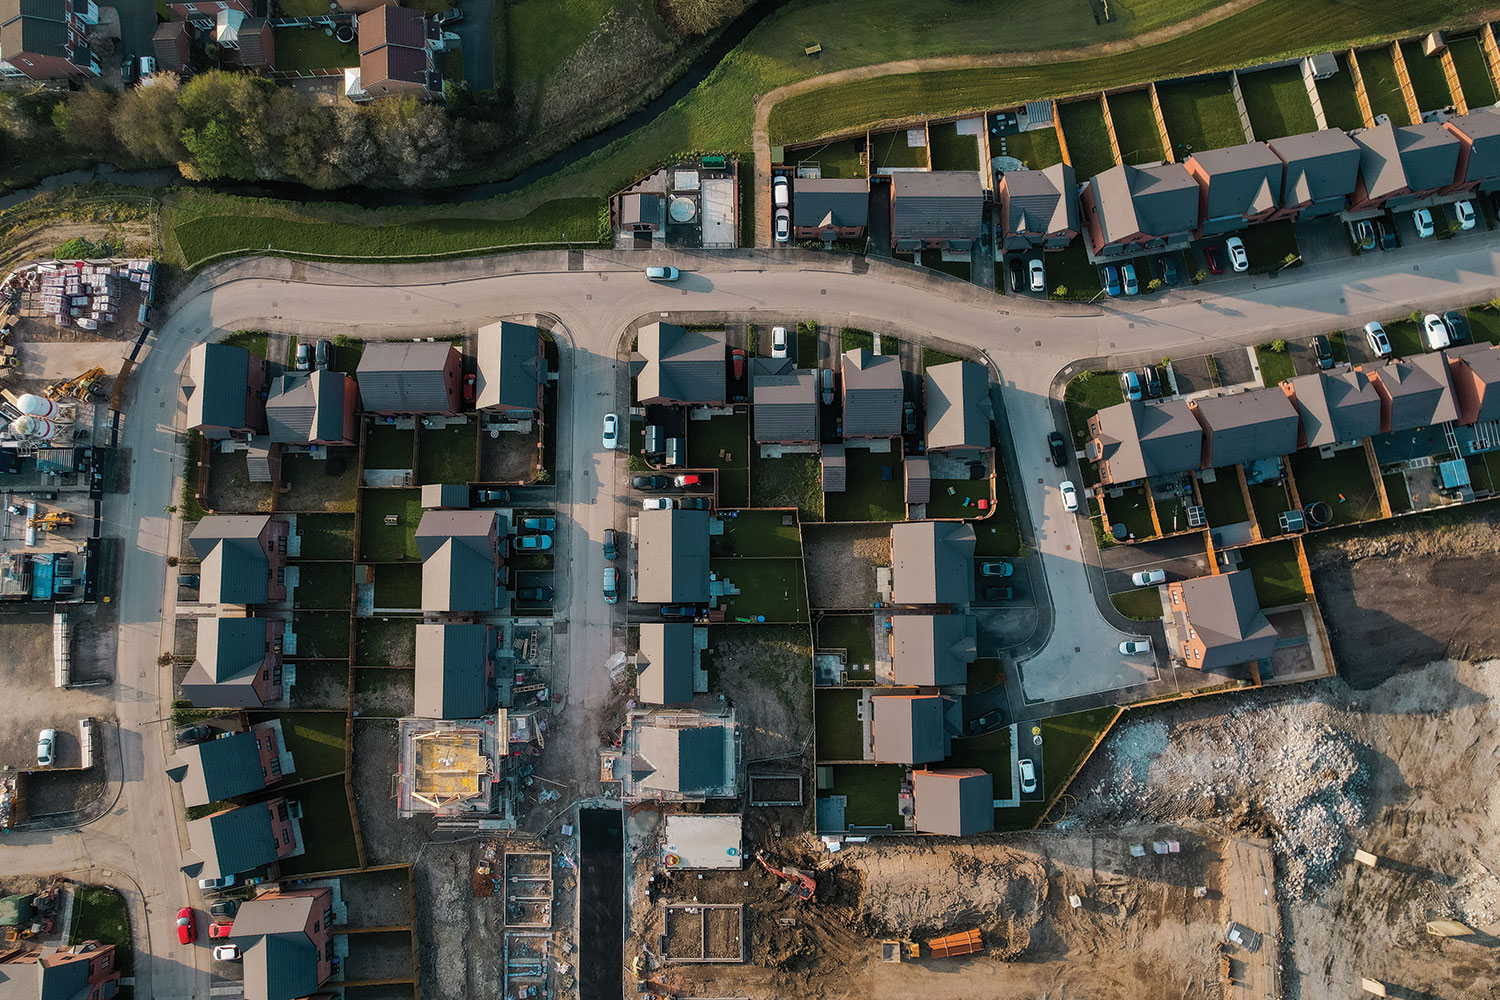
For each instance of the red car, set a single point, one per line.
(469, 388)
(1215, 262)
(187, 927)
(737, 356)
(220, 928)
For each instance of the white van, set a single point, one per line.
(148, 66)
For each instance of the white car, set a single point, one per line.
(662, 273)
(214, 884)
(1149, 577)
(656, 503)
(226, 953)
(1070, 496)
(1238, 259)
(783, 225)
(1135, 647)
(1463, 211)
(1028, 775)
(1378, 341)
(611, 432)
(1422, 218)
(1127, 277)
(1038, 275)
(46, 748)
(1436, 331)
(781, 191)
(778, 341)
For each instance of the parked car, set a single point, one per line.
(611, 546)
(997, 567)
(781, 191)
(1151, 378)
(128, 66)
(1069, 496)
(1387, 235)
(469, 383)
(324, 354)
(679, 611)
(692, 503)
(534, 543)
(1238, 259)
(1028, 775)
(778, 341)
(682, 482)
(650, 482)
(220, 928)
(611, 431)
(1170, 274)
(1436, 331)
(541, 595)
(998, 593)
(494, 496)
(304, 357)
(46, 748)
(1363, 234)
(538, 524)
(1127, 278)
(450, 16)
(1214, 259)
(783, 225)
(148, 66)
(1015, 274)
(1130, 382)
(224, 908)
(909, 416)
(1148, 577)
(216, 884)
(611, 585)
(1038, 274)
(1059, 448)
(1322, 350)
(226, 953)
(1458, 326)
(1422, 219)
(1379, 343)
(826, 380)
(662, 273)
(193, 734)
(187, 926)
(987, 723)
(737, 362)
(1135, 647)
(656, 503)
(1109, 277)
(1463, 211)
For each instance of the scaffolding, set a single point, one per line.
(446, 768)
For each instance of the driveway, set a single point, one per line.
(476, 31)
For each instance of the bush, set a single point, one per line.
(1154, 285)
(1278, 346)
(1060, 292)
(753, 337)
(81, 249)
(1199, 276)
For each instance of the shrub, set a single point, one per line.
(1154, 285)
(1060, 292)
(1279, 346)
(1199, 276)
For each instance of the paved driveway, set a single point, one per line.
(476, 31)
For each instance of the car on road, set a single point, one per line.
(611, 431)
(1148, 577)
(1135, 647)
(1170, 274)
(1127, 278)
(226, 953)
(324, 354)
(46, 748)
(1016, 272)
(533, 543)
(304, 357)
(650, 482)
(987, 723)
(692, 503)
(1363, 234)
(909, 416)
(1069, 496)
(1109, 277)
(1387, 234)
(1028, 775)
(216, 884)
(656, 503)
(220, 928)
(611, 544)
(187, 926)
(689, 480)
(1059, 448)
(662, 273)
(781, 191)
(778, 341)
(783, 225)
(538, 524)
(1238, 259)
(541, 595)
(1215, 260)
(494, 496)
(1130, 384)
(1038, 274)
(1375, 336)
(737, 362)
(1422, 219)
(611, 585)
(1151, 378)
(1458, 326)
(1463, 211)
(996, 567)
(998, 593)
(1436, 331)
(224, 908)
(1322, 350)
(826, 381)
(193, 734)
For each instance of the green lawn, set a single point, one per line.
(1071, 271)
(323, 585)
(844, 158)
(890, 149)
(99, 914)
(321, 684)
(1132, 510)
(1066, 741)
(851, 339)
(543, 33)
(1346, 474)
(951, 151)
(1036, 148)
(327, 830)
(1200, 114)
(933, 259)
(1428, 81)
(1484, 324)
(1088, 138)
(758, 533)
(871, 494)
(1277, 579)
(381, 542)
(1277, 102)
(990, 752)
(1269, 500)
(398, 586)
(1406, 338)
(837, 728)
(1135, 126)
(984, 673)
(306, 49)
(322, 634)
(1381, 86)
(807, 344)
(723, 443)
(1396, 492)
(314, 739)
(1223, 502)
(385, 642)
(254, 341)
(1269, 244)
(853, 633)
(774, 588)
(1087, 394)
(449, 455)
(1000, 533)
(932, 356)
(1142, 604)
(1274, 365)
(794, 480)
(326, 536)
(389, 447)
(1473, 74)
(948, 496)
(1340, 105)
(872, 791)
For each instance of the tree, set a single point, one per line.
(1154, 285)
(1278, 346)
(143, 122)
(86, 120)
(215, 151)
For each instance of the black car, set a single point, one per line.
(1151, 379)
(987, 723)
(127, 70)
(678, 611)
(324, 354)
(194, 734)
(224, 908)
(541, 595)
(693, 503)
(998, 593)
(909, 416)
(1169, 273)
(1322, 350)
(1387, 234)
(1457, 324)
(1059, 449)
(611, 549)
(1017, 277)
(650, 482)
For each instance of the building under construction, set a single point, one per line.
(449, 769)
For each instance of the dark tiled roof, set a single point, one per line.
(872, 394)
(452, 681)
(932, 649)
(1429, 155)
(1319, 165)
(1040, 201)
(1226, 614)
(786, 406)
(510, 366)
(218, 374)
(231, 652)
(1482, 128)
(230, 842)
(847, 201)
(911, 729)
(1420, 391)
(404, 377)
(218, 769)
(306, 406)
(932, 562)
(256, 45)
(1379, 161)
(672, 565)
(690, 761)
(940, 204)
(1156, 201)
(958, 406)
(1242, 180)
(1141, 440)
(1245, 426)
(1335, 406)
(957, 802)
(683, 366)
(233, 565)
(664, 670)
(458, 560)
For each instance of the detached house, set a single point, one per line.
(666, 662)
(225, 388)
(1400, 165)
(1475, 370)
(959, 409)
(1216, 621)
(831, 208)
(512, 371)
(1417, 392)
(397, 56)
(201, 14)
(1138, 440)
(694, 758)
(680, 366)
(1333, 407)
(914, 728)
(84, 971)
(460, 552)
(1237, 186)
(312, 408)
(231, 842)
(932, 650)
(1319, 173)
(172, 45)
(242, 558)
(1038, 208)
(455, 665)
(286, 942)
(237, 664)
(872, 395)
(785, 409)
(247, 42)
(1245, 426)
(932, 562)
(672, 557)
(1478, 134)
(1130, 209)
(939, 209)
(411, 378)
(47, 39)
(231, 766)
(957, 802)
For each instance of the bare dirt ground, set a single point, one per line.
(33, 703)
(377, 899)
(509, 457)
(379, 955)
(388, 838)
(766, 673)
(384, 692)
(841, 561)
(230, 489)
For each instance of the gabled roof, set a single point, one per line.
(672, 565)
(1319, 165)
(689, 761)
(231, 652)
(932, 649)
(307, 406)
(1429, 155)
(664, 668)
(1040, 201)
(218, 379)
(458, 560)
(912, 729)
(1335, 406)
(397, 377)
(510, 366)
(682, 366)
(1139, 440)
(1418, 390)
(831, 201)
(253, 52)
(280, 961)
(938, 204)
(1476, 381)
(233, 566)
(1481, 126)
(958, 406)
(872, 394)
(1245, 426)
(230, 842)
(1379, 161)
(786, 406)
(957, 802)
(642, 208)
(218, 769)
(1225, 613)
(39, 27)
(44, 980)
(1241, 180)
(452, 676)
(1157, 201)
(932, 562)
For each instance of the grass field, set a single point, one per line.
(327, 829)
(855, 634)
(1397, 493)
(1406, 338)
(1340, 105)
(99, 914)
(1277, 102)
(388, 447)
(1269, 501)
(773, 588)
(304, 49)
(951, 151)
(1200, 114)
(1484, 324)
(758, 533)
(322, 633)
(837, 729)
(1346, 474)
(1223, 503)
(1278, 581)
(1088, 139)
(1142, 604)
(1133, 510)
(1381, 86)
(845, 158)
(1087, 394)
(1135, 127)
(326, 536)
(990, 752)
(723, 443)
(448, 455)
(1473, 74)
(544, 32)
(1274, 365)
(1268, 244)
(323, 585)
(873, 495)
(315, 741)
(933, 259)
(872, 791)
(1037, 148)
(398, 586)
(380, 541)
(891, 149)
(1428, 82)
(793, 480)
(1071, 269)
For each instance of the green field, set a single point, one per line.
(1277, 102)
(327, 830)
(872, 791)
(326, 536)
(1037, 148)
(314, 739)
(386, 542)
(757, 533)
(951, 151)
(1088, 138)
(1428, 82)
(1142, 604)
(837, 728)
(844, 158)
(872, 494)
(1473, 74)
(1200, 114)
(1135, 127)
(1340, 105)
(306, 49)
(1381, 86)
(99, 914)
(772, 588)
(1342, 481)
(449, 455)
(1278, 581)
(1274, 365)
(1223, 502)
(544, 32)
(891, 149)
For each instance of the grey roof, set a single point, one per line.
(218, 387)
(835, 468)
(1319, 166)
(35, 981)
(664, 669)
(1477, 381)
(1429, 155)
(933, 649)
(280, 961)
(1481, 126)
(306, 406)
(682, 366)
(450, 495)
(1038, 202)
(918, 479)
(233, 566)
(1379, 161)
(452, 681)
(938, 204)
(872, 394)
(458, 560)
(1226, 614)
(958, 406)
(672, 564)
(932, 562)
(957, 802)
(643, 208)
(1245, 426)
(230, 842)
(1420, 391)
(510, 367)
(689, 761)
(397, 377)
(39, 27)
(1155, 201)
(831, 201)
(1335, 406)
(1138, 440)
(1240, 181)
(786, 406)
(218, 769)
(911, 729)
(230, 653)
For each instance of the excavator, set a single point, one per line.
(79, 386)
(801, 882)
(52, 520)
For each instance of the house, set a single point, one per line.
(1400, 165)
(932, 650)
(1320, 171)
(672, 557)
(1333, 407)
(1130, 209)
(397, 56)
(1474, 368)
(1216, 622)
(1478, 135)
(1416, 392)
(694, 757)
(225, 385)
(680, 366)
(831, 208)
(785, 406)
(959, 409)
(234, 841)
(932, 562)
(455, 665)
(247, 42)
(242, 558)
(360, 6)
(203, 14)
(1237, 186)
(47, 39)
(956, 802)
(460, 552)
(1038, 208)
(1138, 440)
(237, 664)
(665, 665)
(913, 728)
(406, 378)
(872, 394)
(315, 407)
(643, 212)
(512, 371)
(232, 765)
(286, 942)
(1244, 426)
(83, 971)
(936, 210)
(172, 45)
